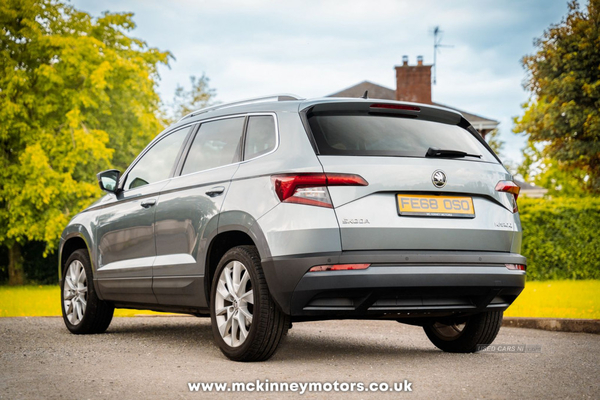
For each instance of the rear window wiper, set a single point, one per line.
(435, 152)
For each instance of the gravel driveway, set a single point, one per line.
(156, 357)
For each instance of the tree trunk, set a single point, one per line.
(15, 265)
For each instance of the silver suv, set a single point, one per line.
(276, 210)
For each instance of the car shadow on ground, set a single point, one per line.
(299, 344)
(296, 347)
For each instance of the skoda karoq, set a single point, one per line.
(277, 210)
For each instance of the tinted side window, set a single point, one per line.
(260, 136)
(158, 162)
(217, 143)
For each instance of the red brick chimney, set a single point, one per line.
(413, 83)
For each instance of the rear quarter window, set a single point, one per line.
(261, 136)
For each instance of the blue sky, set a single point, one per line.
(314, 48)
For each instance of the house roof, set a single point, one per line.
(381, 92)
(479, 122)
(375, 91)
(526, 185)
(530, 190)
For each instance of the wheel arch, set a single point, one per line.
(71, 243)
(228, 237)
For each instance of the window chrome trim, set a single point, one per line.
(161, 135)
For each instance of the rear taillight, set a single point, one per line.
(338, 267)
(311, 189)
(518, 267)
(512, 188)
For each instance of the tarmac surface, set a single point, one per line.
(156, 357)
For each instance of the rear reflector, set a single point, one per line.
(396, 107)
(519, 267)
(338, 267)
(311, 189)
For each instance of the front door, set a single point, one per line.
(125, 230)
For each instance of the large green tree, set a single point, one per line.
(77, 95)
(563, 112)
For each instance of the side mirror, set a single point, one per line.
(108, 180)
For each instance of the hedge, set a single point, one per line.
(560, 237)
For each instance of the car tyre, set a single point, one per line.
(246, 322)
(467, 335)
(82, 310)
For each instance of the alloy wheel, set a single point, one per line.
(234, 304)
(75, 292)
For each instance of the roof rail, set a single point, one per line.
(276, 97)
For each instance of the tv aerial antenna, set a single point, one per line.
(437, 45)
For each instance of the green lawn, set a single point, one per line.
(548, 299)
(38, 301)
(558, 299)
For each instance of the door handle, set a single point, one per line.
(148, 203)
(217, 190)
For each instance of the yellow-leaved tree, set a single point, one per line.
(77, 96)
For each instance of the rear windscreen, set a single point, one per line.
(377, 135)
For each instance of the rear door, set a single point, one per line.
(188, 208)
(404, 206)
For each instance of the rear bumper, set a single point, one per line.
(397, 285)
